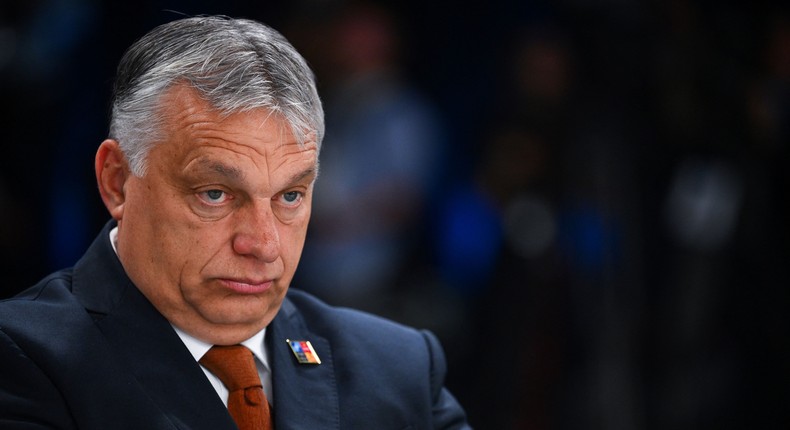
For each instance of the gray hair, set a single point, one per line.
(236, 65)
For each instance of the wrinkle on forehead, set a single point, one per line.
(182, 103)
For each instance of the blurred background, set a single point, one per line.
(586, 200)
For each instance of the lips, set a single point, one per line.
(247, 286)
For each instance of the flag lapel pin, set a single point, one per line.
(303, 351)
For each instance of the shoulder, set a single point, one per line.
(40, 301)
(44, 317)
(386, 368)
(363, 338)
(337, 322)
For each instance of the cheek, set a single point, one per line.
(194, 247)
(292, 242)
(179, 251)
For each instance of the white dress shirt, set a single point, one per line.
(198, 348)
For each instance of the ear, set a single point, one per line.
(112, 172)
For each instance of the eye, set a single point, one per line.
(291, 198)
(214, 197)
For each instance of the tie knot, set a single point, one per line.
(234, 365)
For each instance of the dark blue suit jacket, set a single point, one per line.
(85, 349)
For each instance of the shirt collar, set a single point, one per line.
(114, 239)
(198, 347)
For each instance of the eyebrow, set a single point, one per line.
(236, 174)
(229, 172)
(302, 175)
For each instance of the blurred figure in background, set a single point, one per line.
(499, 239)
(384, 139)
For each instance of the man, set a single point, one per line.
(208, 175)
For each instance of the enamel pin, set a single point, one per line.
(304, 352)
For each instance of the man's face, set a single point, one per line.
(213, 232)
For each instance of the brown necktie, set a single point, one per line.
(235, 366)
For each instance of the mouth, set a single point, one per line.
(246, 286)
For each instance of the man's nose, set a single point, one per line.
(256, 232)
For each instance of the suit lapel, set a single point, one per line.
(305, 395)
(163, 366)
(147, 347)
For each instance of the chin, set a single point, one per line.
(248, 316)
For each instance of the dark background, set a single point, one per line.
(603, 240)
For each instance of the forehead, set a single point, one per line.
(192, 127)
